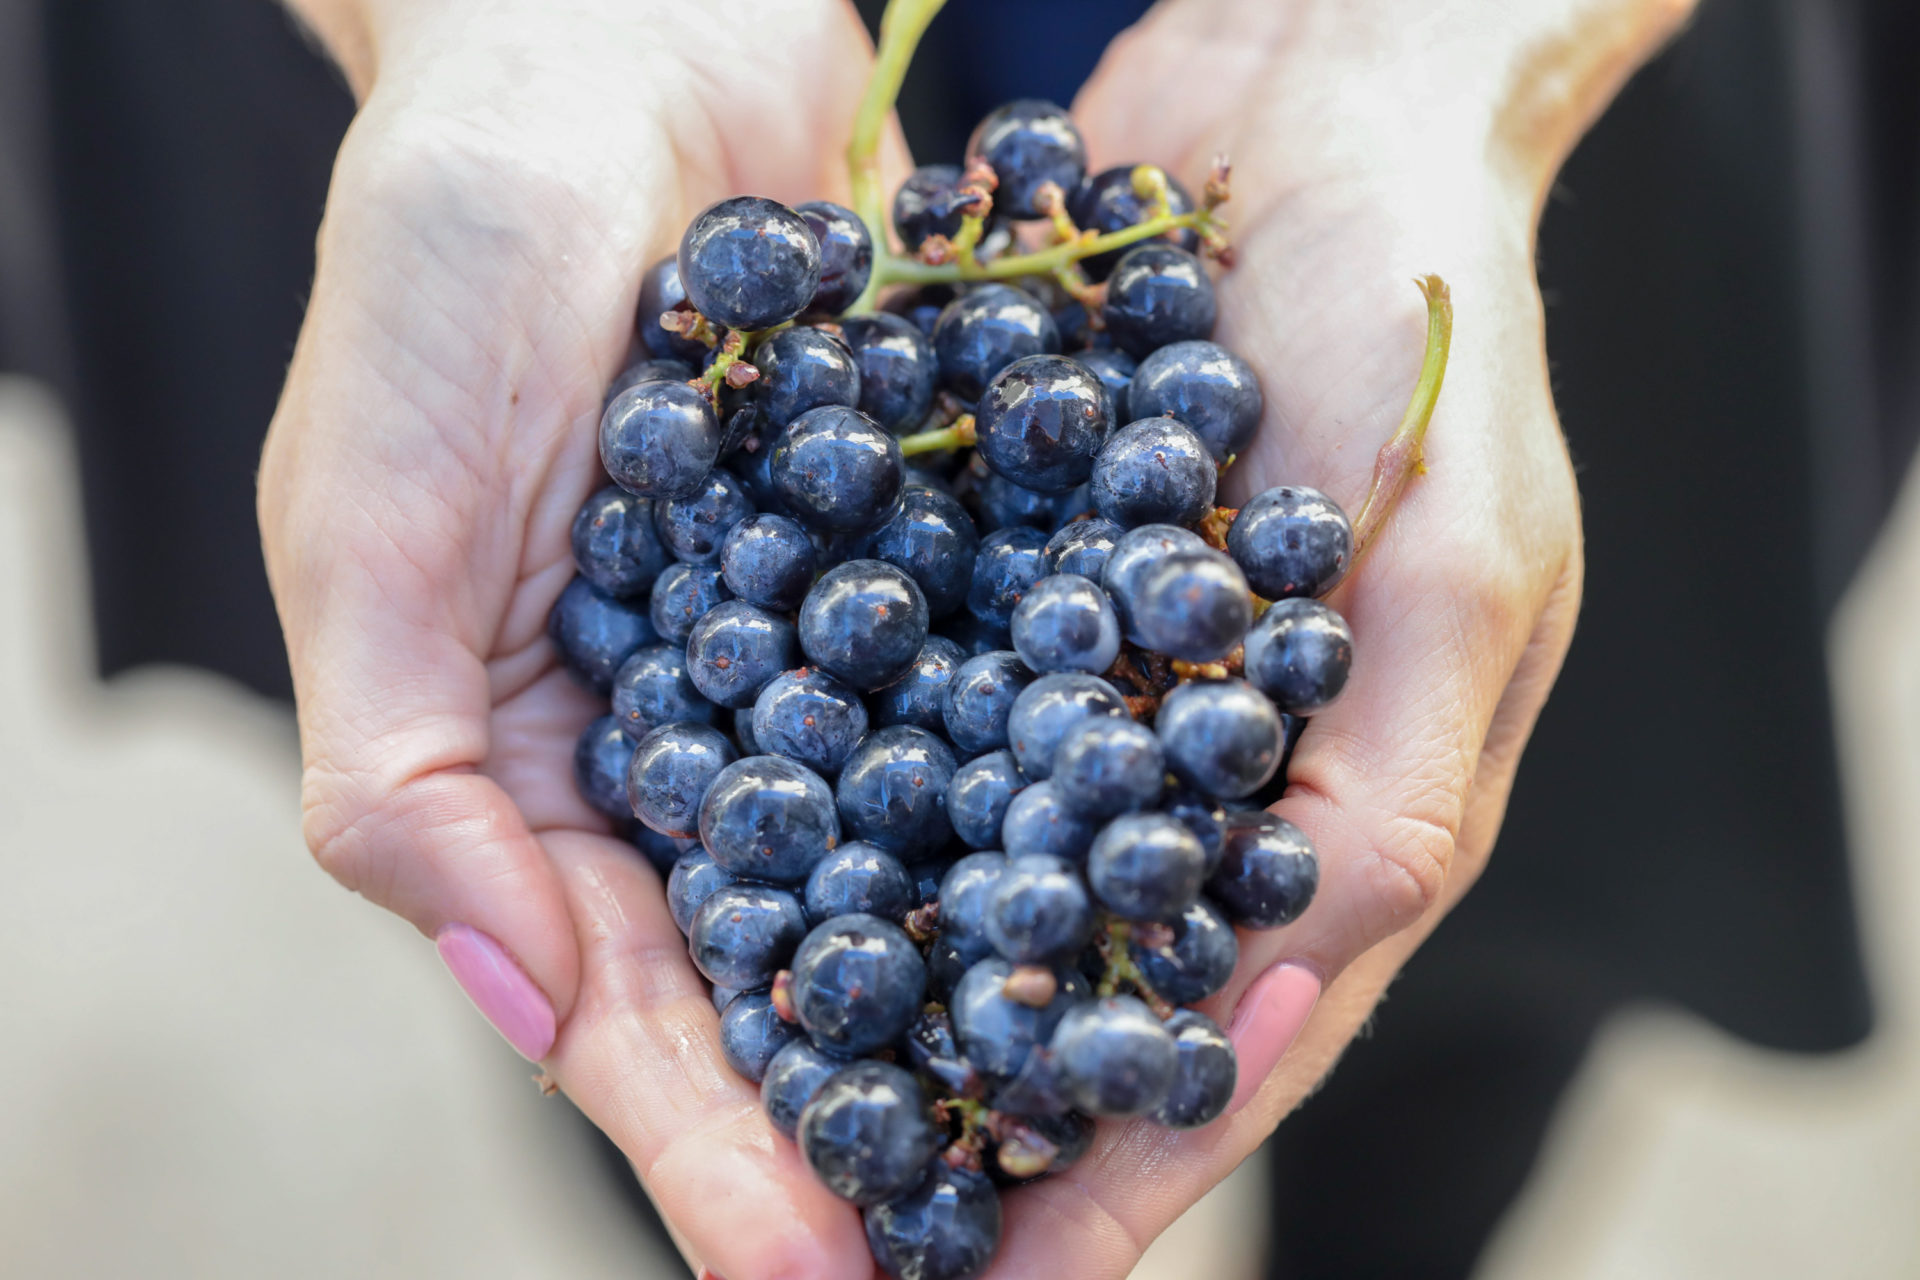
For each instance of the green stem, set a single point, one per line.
(1404, 456)
(1041, 262)
(958, 436)
(901, 26)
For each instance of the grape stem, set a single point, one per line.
(1404, 455)
(901, 26)
(958, 436)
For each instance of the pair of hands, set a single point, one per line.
(517, 163)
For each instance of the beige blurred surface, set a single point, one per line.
(220, 1065)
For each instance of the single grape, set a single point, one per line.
(743, 934)
(752, 1032)
(919, 697)
(892, 791)
(1158, 295)
(1135, 554)
(929, 203)
(693, 880)
(768, 560)
(661, 850)
(859, 878)
(1009, 562)
(1205, 386)
(1197, 962)
(1291, 541)
(857, 984)
(897, 368)
(755, 467)
(1107, 202)
(997, 1032)
(927, 873)
(1268, 871)
(980, 699)
(1221, 736)
(931, 537)
(1039, 911)
(1114, 1058)
(1154, 471)
(793, 1077)
(1204, 816)
(1204, 1079)
(982, 333)
(945, 1229)
(1002, 504)
(682, 595)
(694, 526)
(659, 439)
(868, 1134)
(743, 732)
(802, 369)
(1049, 707)
(846, 254)
(964, 894)
(1082, 547)
(1066, 623)
(865, 621)
(977, 636)
(769, 818)
(979, 794)
(1299, 654)
(837, 470)
(735, 649)
(749, 263)
(601, 758)
(723, 997)
(1104, 767)
(653, 688)
(660, 292)
(1037, 822)
(672, 768)
(1146, 866)
(1042, 420)
(1029, 142)
(595, 633)
(1115, 369)
(934, 1051)
(1194, 605)
(614, 544)
(808, 716)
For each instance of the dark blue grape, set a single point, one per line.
(1009, 562)
(662, 851)
(1221, 736)
(659, 439)
(1115, 369)
(1029, 142)
(864, 621)
(837, 470)
(932, 538)
(1197, 962)
(987, 330)
(1107, 202)
(1204, 816)
(1104, 767)
(1299, 654)
(793, 1077)
(1204, 1080)
(946, 1229)
(755, 468)
(980, 699)
(976, 636)
(857, 984)
(1114, 1058)
(1042, 420)
(1158, 295)
(1076, 333)
(693, 880)
(929, 203)
(1049, 707)
(809, 716)
(723, 997)
(1291, 541)
(1146, 866)
(1003, 504)
(660, 292)
(1039, 910)
(1268, 871)
(743, 732)
(846, 254)
(768, 818)
(751, 1032)
(1154, 471)
(1135, 554)
(646, 370)
(1030, 1147)
(868, 1133)
(694, 526)
(1038, 822)
(964, 895)
(1207, 387)
(744, 934)
(595, 633)
(672, 768)
(892, 791)
(802, 369)
(682, 595)
(927, 874)
(1194, 605)
(934, 1051)
(860, 878)
(919, 697)
(601, 758)
(1066, 623)
(653, 688)
(897, 367)
(614, 545)
(768, 561)
(998, 1032)
(978, 797)
(735, 649)
(749, 263)
(1082, 547)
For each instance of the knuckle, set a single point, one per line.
(335, 815)
(1412, 865)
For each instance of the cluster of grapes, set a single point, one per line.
(956, 769)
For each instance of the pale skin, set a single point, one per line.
(514, 167)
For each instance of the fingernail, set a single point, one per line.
(1267, 1021)
(499, 988)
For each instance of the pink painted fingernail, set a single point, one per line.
(1267, 1021)
(499, 988)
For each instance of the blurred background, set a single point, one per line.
(1672, 1032)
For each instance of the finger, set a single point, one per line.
(641, 1058)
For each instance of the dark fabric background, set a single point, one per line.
(1729, 267)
